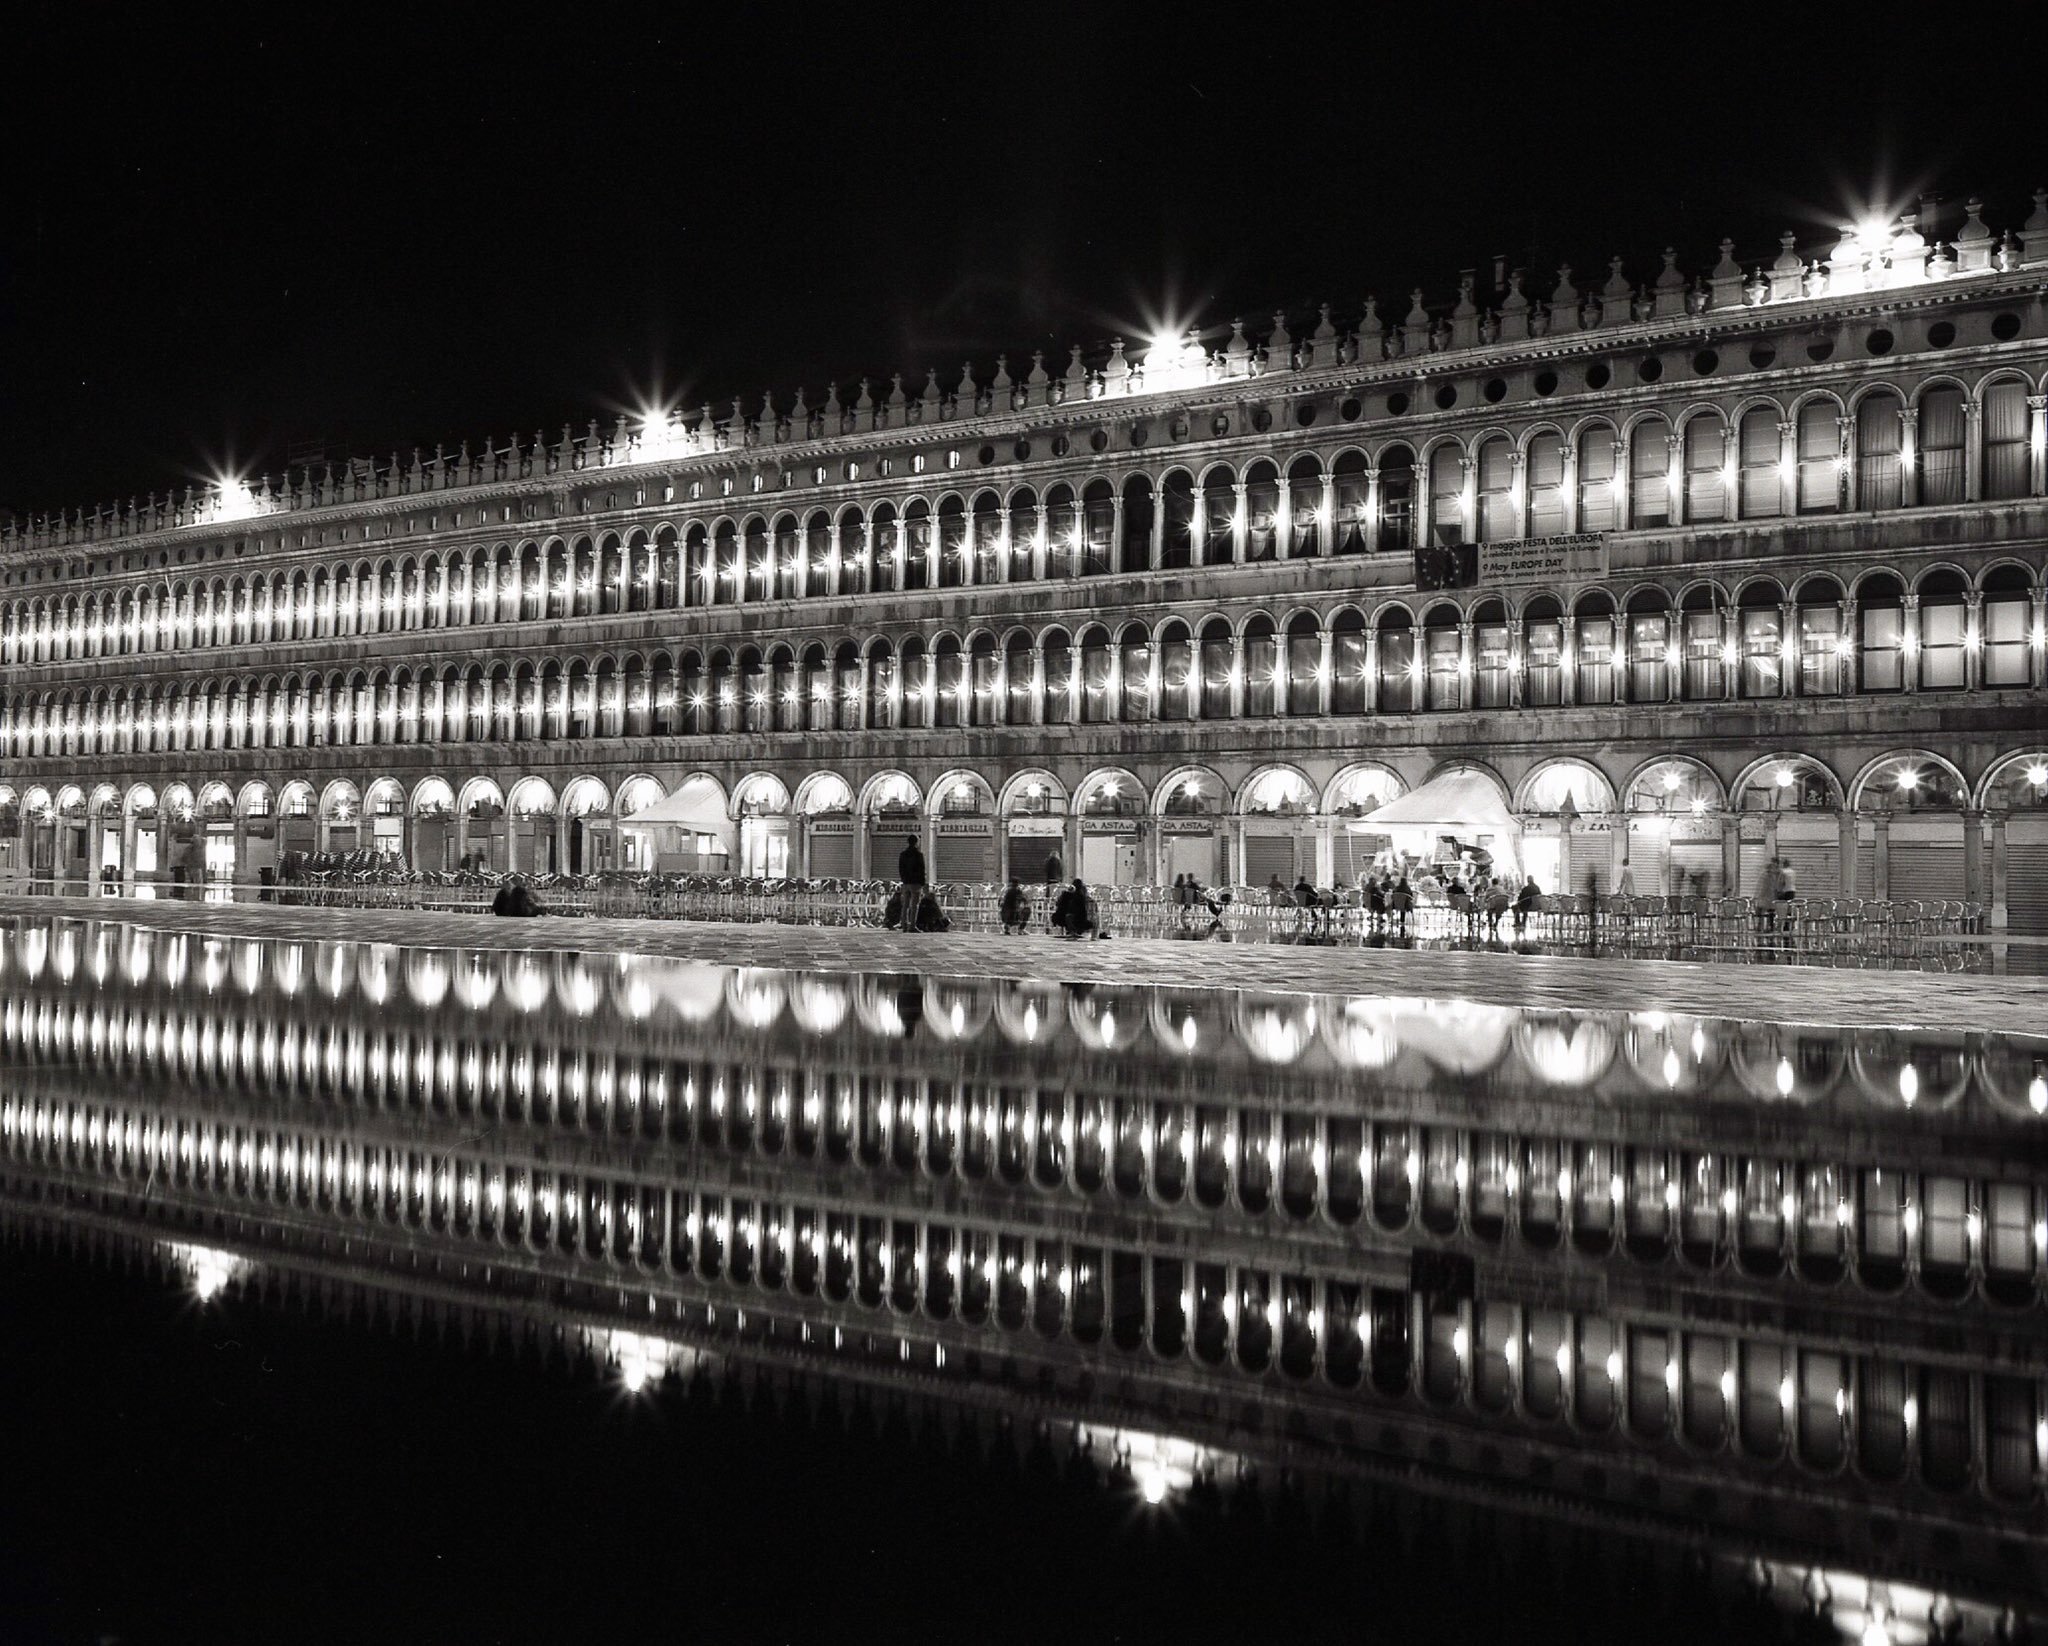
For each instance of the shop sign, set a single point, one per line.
(1563, 558)
(1109, 825)
(831, 825)
(1754, 828)
(967, 825)
(1186, 825)
(1053, 827)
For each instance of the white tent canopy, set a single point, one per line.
(698, 805)
(1455, 803)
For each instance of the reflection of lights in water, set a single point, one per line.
(207, 1268)
(1670, 1067)
(2037, 1094)
(1109, 1028)
(1189, 1034)
(1784, 1078)
(1909, 1085)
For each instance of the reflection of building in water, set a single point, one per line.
(1784, 1282)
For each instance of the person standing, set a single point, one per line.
(1052, 869)
(910, 870)
(1016, 912)
(1767, 889)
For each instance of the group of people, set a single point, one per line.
(1776, 891)
(912, 907)
(1473, 894)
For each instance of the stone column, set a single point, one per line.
(1037, 684)
(1466, 692)
(1518, 490)
(1881, 856)
(1973, 857)
(1973, 451)
(1569, 486)
(1324, 673)
(1910, 639)
(1788, 649)
(1372, 671)
(1156, 553)
(1372, 511)
(2037, 444)
(1731, 855)
(1788, 468)
(1237, 676)
(1845, 850)
(1283, 522)
(1973, 641)
(1326, 522)
(1997, 888)
(1240, 524)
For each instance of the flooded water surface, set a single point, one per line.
(455, 1294)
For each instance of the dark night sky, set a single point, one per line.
(236, 228)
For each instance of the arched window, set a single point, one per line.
(1353, 497)
(1023, 532)
(1706, 470)
(916, 571)
(1820, 457)
(1760, 631)
(1179, 678)
(1599, 484)
(1062, 532)
(1347, 662)
(952, 546)
(1651, 648)
(849, 701)
(1880, 440)
(1881, 636)
(1302, 678)
(1760, 455)
(1492, 667)
(1593, 648)
(1304, 508)
(1177, 548)
(1497, 522)
(952, 701)
(1216, 668)
(1397, 500)
(1262, 680)
(819, 560)
(1098, 660)
(1060, 669)
(1262, 512)
(984, 681)
(2007, 466)
(2007, 620)
(1944, 632)
(1441, 645)
(789, 559)
(1543, 652)
(1134, 674)
(1821, 647)
(1546, 484)
(1447, 495)
(1017, 667)
(914, 682)
(1134, 549)
(1649, 473)
(1400, 682)
(1941, 445)
(1098, 529)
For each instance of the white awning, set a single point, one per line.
(697, 806)
(1455, 803)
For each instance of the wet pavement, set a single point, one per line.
(1838, 996)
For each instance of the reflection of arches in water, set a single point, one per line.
(1030, 1012)
(1777, 1063)
(819, 1002)
(1187, 1022)
(957, 1009)
(1276, 1028)
(1926, 1072)
(1565, 1049)
(1105, 1019)
(1460, 1037)
(476, 979)
(890, 1005)
(1360, 1032)
(1674, 1054)
(2015, 1074)
(754, 996)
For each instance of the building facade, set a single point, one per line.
(1758, 571)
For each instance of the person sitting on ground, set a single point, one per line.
(1072, 915)
(1015, 910)
(515, 901)
(929, 917)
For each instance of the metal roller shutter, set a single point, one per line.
(1696, 868)
(2026, 888)
(1266, 855)
(1749, 873)
(1817, 868)
(964, 858)
(1926, 869)
(831, 856)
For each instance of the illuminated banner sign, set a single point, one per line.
(1563, 559)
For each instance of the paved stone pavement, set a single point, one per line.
(1782, 994)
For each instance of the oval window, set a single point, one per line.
(1649, 369)
(1762, 355)
(1941, 334)
(1496, 390)
(1704, 363)
(2006, 327)
(1446, 397)
(1351, 410)
(1597, 375)
(1878, 342)
(1545, 384)
(1397, 404)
